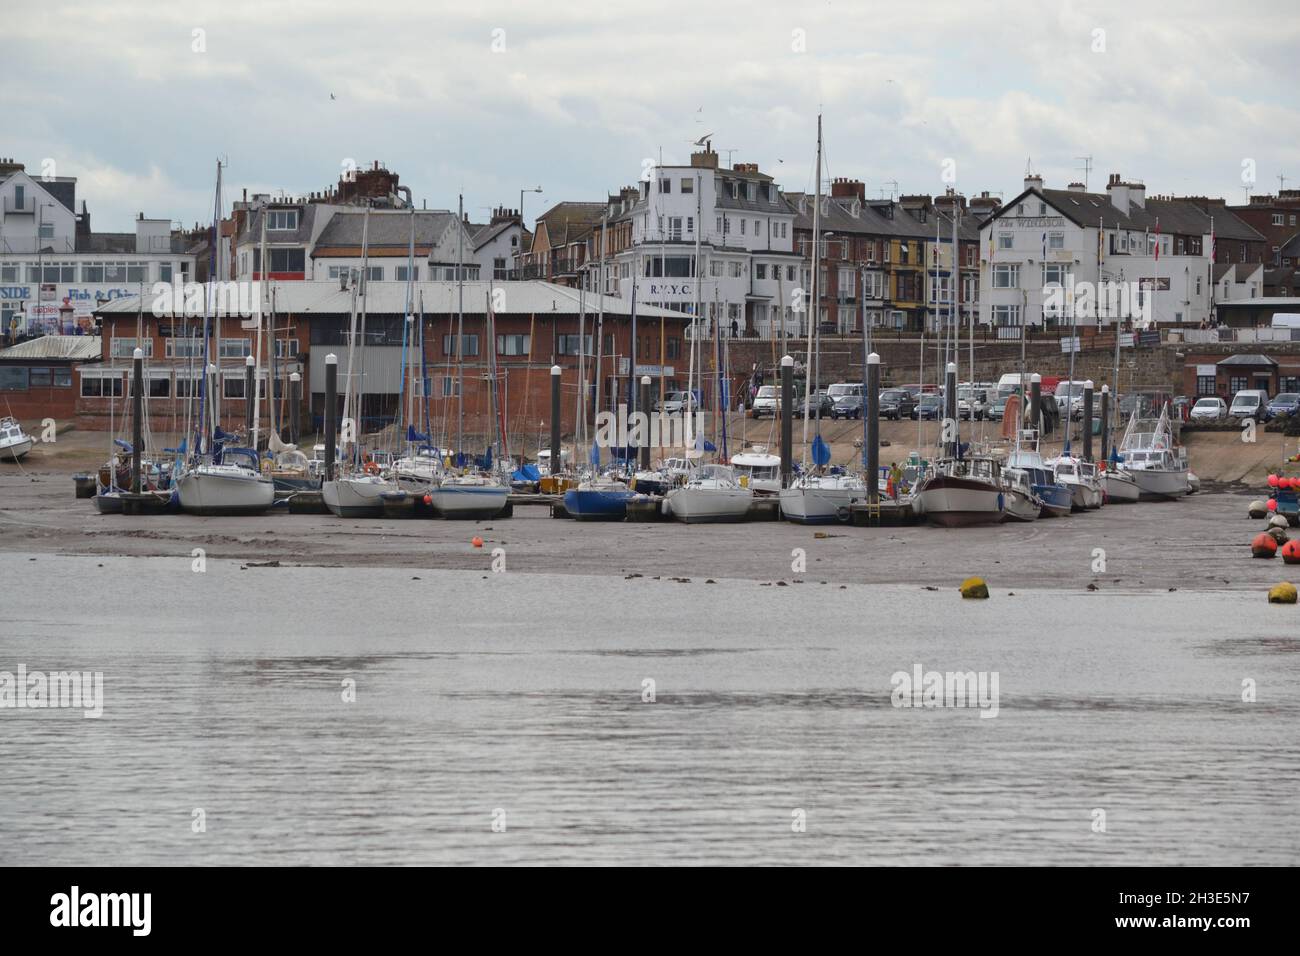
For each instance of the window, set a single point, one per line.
(760, 270)
(1006, 276)
(1236, 383)
(402, 272)
(568, 344)
(789, 273)
(1279, 219)
(674, 348)
(675, 228)
(665, 185)
(235, 348)
(286, 349)
(183, 347)
(469, 346)
(282, 219)
(715, 269)
(872, 285)
(335, 272)
(680, 267)
(159, 386)
(1054, 273)
(512, 344)
(20, 195)
(373, 273)
(1042, 209)
(137, 272)
(499, 269)
(9, 272)
(125, 348)
(282, 260)
(164, 272)
(1205, 385)
(13, 379)
(1056, 240)
(449, 389)
(1006, 315)
(734, 270)
(1005, 240)
(47, 230)
(101, 384)
(688, 185)
(232, 386)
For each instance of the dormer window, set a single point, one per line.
(282, 220)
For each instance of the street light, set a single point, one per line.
(521, 201)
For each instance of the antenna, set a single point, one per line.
(1281, 182)
(893, 188)
(1086, 161)
(729, 151)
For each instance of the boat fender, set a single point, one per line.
(1263, 546)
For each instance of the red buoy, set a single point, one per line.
(1272, 481)
(1263, 546)
(1271, 504)
(1291, 552)
(478, 542)
(1282, 483)
(428, 499)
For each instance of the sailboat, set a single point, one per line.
(358, 492)
(818, 496)
(711, 493)
(14, 442)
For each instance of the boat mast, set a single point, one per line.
(813, 342)
(460, 326)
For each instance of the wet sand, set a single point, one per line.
(1200, 542)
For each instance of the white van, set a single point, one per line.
(841, 389)
(1249, 403)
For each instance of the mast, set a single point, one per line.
(255, 398)
(460, 326)
(813, 342)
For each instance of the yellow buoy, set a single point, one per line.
(974, 588)
(1283, 593)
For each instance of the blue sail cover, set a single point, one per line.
(413, 436)
(124, 445)
(527, 473)
(595, 455)
(821, 452)
(703, 444)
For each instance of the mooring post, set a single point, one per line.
(331, 412)
(555, 420)
(1036, 403)
(1105, 423)
(1087, 420)
(871, 408)
(295, 406)
(787, 403)
(137, 408)
(644, 402)
(248, 397)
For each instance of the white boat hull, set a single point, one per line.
(1120, 488)
(709, 504)
(1017, 506)
(469, 502)
(15, 451)
(215, 493)
(356, 497)
(1156, 483)
(819, 505)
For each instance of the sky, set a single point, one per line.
(140, 99)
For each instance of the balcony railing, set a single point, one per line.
(25, 208)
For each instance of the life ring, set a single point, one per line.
(843, 514)
(372, 468)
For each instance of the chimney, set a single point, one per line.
(1119, 193)
(1077, 188)
(1033, 181)
(705, 158)
(844, 188)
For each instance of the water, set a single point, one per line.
(522, 693)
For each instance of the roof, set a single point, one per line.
(486, 234)
(252, 231)
(387, 228)
(1174, 216)
(1247, 358)
(440, 298)
(70, 348)
(568, 221)
(837, 217)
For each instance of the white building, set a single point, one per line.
(1051, 256)
(53, 269)
(732, 226)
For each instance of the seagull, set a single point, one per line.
(331, 96)
(700, 141)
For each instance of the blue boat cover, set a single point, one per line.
(821, 452)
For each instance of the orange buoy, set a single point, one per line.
(478, 542)
(1291, 552)
(428, 499)
(1271, 504)
(1263, 546)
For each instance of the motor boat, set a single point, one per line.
(1081, 478)
(1054, 496)
(1120, 487)
(711, 493)
(963, 491)
(759, 470)
(417, 473)
(1020, 504)
(14, 443)
(1147, 453)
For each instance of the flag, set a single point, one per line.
(1044, 247)
(1101, 243)
(1157, 239)
(990, 244)
(1213, 251)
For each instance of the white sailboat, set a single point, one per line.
(711, 493)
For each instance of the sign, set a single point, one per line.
(1203, 371)
(1070, 344)
(1126, 340)
(671, 288)
(1032, 222)
(1149, 338)
(49, 292)
(14, 292)
(652, 370)
(1151, 282)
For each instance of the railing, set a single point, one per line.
(34, 246)
(25, 208)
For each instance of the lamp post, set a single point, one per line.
(521, 201)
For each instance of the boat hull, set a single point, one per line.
(587, 505)
(693, 505)
(16, 451)
(819, 505)
(1156, 485)
(348, 498)
(1120, 489)
(202, 493)
(469, 503)
(1019, 506)
(956, 502)
(1056, 500)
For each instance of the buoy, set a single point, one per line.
(974, 588)
(1263, 546)
(428, 499)
(1283, 593)
(1277, 521)
(478, 542)
(1257, 509)
(1282, 483)
(1271, 504)
(1291, 552)
(1272, 481)
(1278, 534)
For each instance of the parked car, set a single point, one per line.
(1286, 403)
(916, 391)
(896, 403)
(1208, 410)
(675, 402)
(971, 402)
(929, 407)
(847, 406)
(1249, 403)
(766, 402)
(819, 405)
(997, 408)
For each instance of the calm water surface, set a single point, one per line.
(522, 693)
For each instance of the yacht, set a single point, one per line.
(603, 498)
(229, 484)
(963, 491)
(711, 493)
(821, 498)
(470, 497)
(1081, 478)
(759, 470)
(1020, 502)
(1147, 454)
(14, 443)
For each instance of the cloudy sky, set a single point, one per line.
(485, 98)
